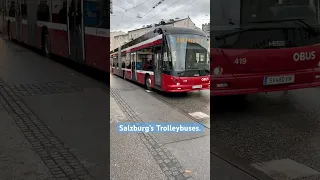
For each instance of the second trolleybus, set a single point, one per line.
(169, 59)
(74, 29)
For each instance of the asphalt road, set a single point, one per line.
(191, 150)
(73, 107)
(281, 131)
(195, 104)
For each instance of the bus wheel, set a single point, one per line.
(148, 82)
(47, 45)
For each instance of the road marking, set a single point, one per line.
(148, 91)
(285, 169)
(199, 115)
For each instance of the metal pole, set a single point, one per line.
(111, 7)
(318, 10)
(119, 57)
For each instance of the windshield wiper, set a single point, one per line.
(204, 69)
(235, 32)
(308, 26)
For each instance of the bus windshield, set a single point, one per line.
(267, 23)
(189, 53)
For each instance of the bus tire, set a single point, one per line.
(46, 44)
(148, 82)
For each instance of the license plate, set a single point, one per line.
(197, 87)
(276, 80)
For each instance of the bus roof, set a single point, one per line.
(165, 30)
(179, 30)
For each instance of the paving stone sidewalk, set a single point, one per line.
(18, 160)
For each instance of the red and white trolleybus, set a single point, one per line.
(168, 58)
(264, 45)
(74, 29)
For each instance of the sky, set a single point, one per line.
(126, 13)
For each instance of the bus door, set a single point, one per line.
(157, 66)
(18, 20)
(75, 30)
(133, 66)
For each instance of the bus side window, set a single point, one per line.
(157, 58)
(127, 64)
(24, 13)
(146, 58)
(115, 61)
(166, 60)
(138, 62)
(96, 14)
(123, 60)
(43, 11)
(59, 11)
(12, 10)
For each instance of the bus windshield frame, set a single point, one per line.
(188, 54)
(288, 21)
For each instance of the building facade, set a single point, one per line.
(206, 28)
(113, 41)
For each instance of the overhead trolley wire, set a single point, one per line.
(127, 10)
(131, 5)
(157, 13)
(183, 7)
(139, 4)
(165, 9)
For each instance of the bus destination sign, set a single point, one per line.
(187, 40)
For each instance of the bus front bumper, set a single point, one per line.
(186, 88)
(250, 84)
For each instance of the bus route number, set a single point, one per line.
(241, 61)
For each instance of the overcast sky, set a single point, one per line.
(198, 10)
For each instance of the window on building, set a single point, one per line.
(59, 11)
(24, 12)
(43, 11)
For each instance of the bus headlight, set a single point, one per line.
(217, 71)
